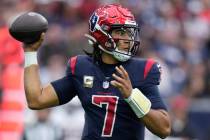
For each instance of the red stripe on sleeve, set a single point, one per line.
(148, 67)
(73, 61)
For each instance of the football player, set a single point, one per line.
(119, 93)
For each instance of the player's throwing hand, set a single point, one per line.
(35, 46)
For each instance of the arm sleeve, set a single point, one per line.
(64, 87)
(150, 87)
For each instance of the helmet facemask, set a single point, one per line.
(131, 42)
(112, 45)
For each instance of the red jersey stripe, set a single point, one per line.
(73, 61)
(148, 67)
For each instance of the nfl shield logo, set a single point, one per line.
(105, 84)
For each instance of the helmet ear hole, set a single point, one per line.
(110, 44)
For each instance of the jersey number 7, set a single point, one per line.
(111, 107)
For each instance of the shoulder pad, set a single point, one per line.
(77, 64)
(152, 72)
(71, 65)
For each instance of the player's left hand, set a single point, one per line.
(122, 81)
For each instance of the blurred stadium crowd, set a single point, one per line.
(174, 32)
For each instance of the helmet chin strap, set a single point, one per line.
(121, 55)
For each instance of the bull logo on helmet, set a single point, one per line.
(93, 21)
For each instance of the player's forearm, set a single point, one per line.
(32, 85)
(158, 122)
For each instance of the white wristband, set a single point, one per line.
(139, 103)
(30, 58)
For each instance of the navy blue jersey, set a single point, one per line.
(107, 115)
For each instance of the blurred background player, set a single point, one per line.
(118, 93)
(43, 128)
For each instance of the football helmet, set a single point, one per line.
(113, 17)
